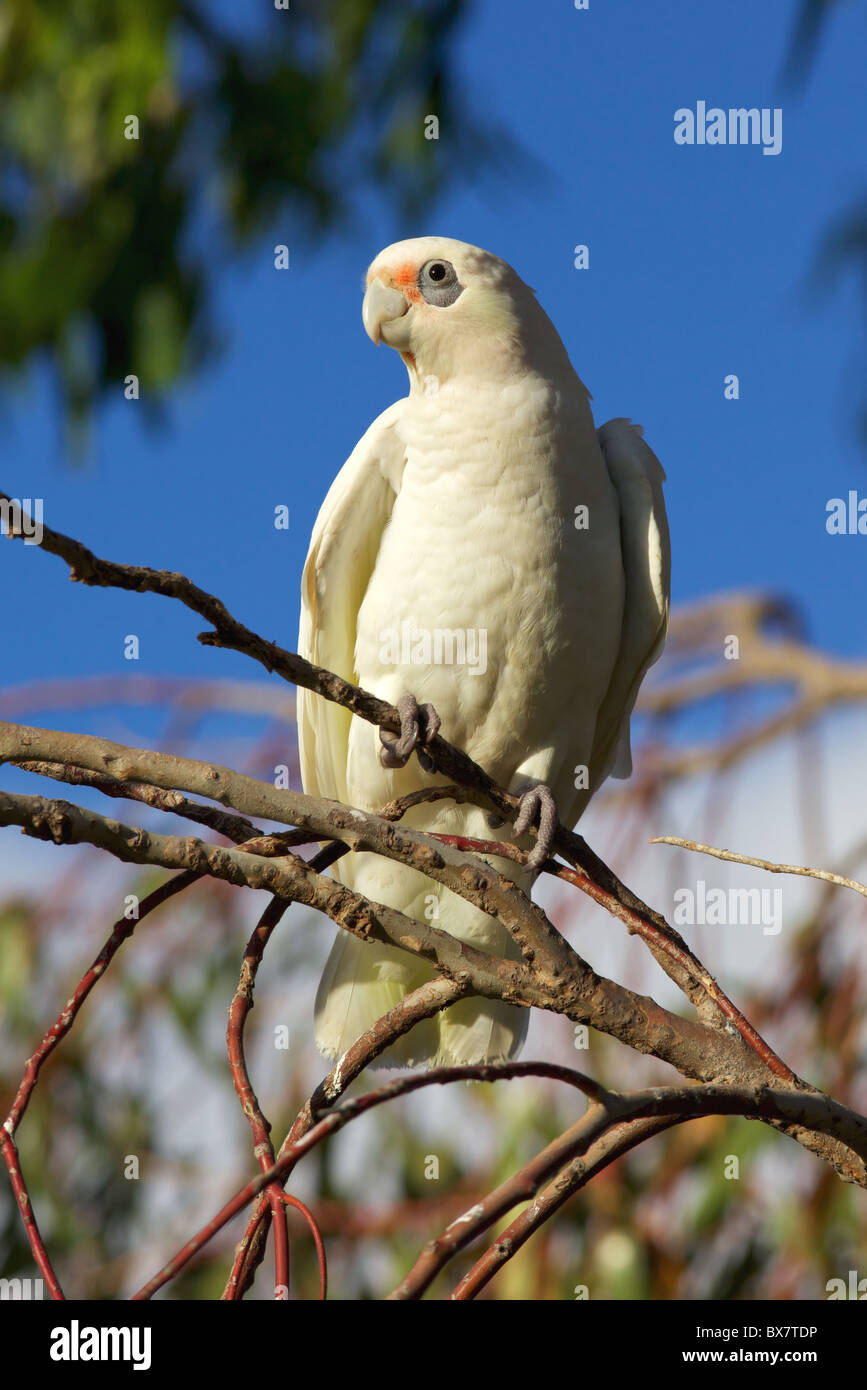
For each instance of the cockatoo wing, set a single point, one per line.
(637, 476)
(343, 550)
(360, 982)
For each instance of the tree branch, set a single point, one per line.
(614, 1109)
(616, 1141)
(731, 857)
(580, 994)
(780, 1107)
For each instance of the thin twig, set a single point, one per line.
(731, 857)
(263, 1149)
(121, 932)
(27, 1214)
(424, 1002)
(809, 1110)
(611, 1145)
(317, 1240)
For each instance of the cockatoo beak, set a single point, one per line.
(381, 307)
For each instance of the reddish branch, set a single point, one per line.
(330, 1124)
(28, 1217)
(317, 1240)
(122, 931)
(616, 1141)
(240, 1008)
(666, 945)
(242, 1003)
(607, 1108)
(424, 1002)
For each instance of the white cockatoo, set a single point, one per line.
(488, 559)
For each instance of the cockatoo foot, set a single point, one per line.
(538, 807)
(418, 725)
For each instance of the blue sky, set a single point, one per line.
(699, 259)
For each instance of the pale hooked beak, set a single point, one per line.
(380, 308)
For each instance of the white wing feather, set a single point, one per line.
(343, 550)
(637, 476)
(360, 982)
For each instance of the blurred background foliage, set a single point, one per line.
(843, 249)
(101, 235)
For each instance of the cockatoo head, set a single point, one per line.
(453, 309)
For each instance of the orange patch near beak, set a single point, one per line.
(405, 278)
(405, 275)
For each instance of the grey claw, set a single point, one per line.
(426, 762)
(418, 725)
(538, 805)
(396, 748)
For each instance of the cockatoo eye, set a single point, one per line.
(439, 284)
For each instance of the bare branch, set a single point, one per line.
(732, 858)
(263, 1149)
(121, 932)
(780, 1107)
(425, 1002)
(579, 993)
(613, 1109)
(25, 1207)
(772, 652)
(616, 1141)
(235, 828)
(667, 946)
(720, 1049)
(470, 878)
